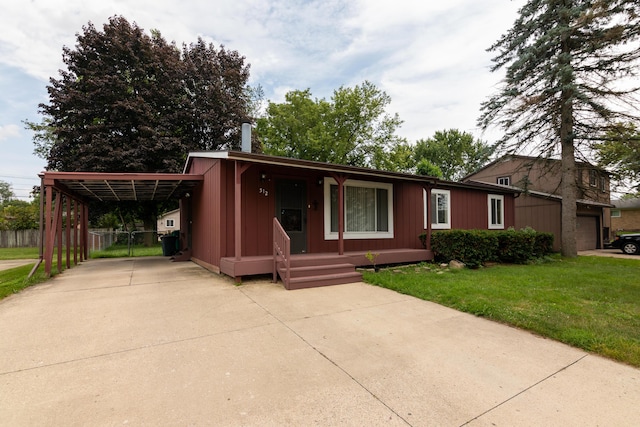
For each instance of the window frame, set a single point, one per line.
(618, 212)
(593, 178)
(504, 178)
(490, 224)
(427, 217)
(355, 235)
(172, 225)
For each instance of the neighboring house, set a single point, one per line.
(229, 219)
(540, 204)
(625, 215)
(169, 222)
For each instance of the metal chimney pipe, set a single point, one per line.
(246, 137)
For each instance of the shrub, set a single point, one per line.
(475, 247)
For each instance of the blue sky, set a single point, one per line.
(429, 56)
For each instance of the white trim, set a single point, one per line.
(352, 235)
(616, 213)
(445, 225)
(490, 199)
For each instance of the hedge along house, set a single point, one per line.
(311, 223)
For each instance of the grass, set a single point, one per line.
(15, 279)
(592, 303)
(18, 253)
(119, 251)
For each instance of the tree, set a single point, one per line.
(20, 215)
(569, 79)
(425, 167)
(6, 193)
(352, 128)
(455, 153)
(131, 102)
(620, 153)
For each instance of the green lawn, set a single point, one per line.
(591, 303)
(18, 253)
(15, 279)
(119, 251)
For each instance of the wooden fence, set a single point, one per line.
(98, 238)
(19, 238)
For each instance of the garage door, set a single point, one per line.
(587, 233)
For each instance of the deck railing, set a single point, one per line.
(281, 251)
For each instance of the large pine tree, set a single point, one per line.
(570, 69)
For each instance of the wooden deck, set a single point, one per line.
(255, 265)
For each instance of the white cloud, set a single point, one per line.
(9, 131)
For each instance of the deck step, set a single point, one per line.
(324, 280)
(316, 272)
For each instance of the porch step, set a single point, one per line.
(309, 276)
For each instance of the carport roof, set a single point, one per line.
(122, 186)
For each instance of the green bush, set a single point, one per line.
(476, 247)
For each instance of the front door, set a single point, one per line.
(291, 211)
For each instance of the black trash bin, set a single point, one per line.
(169, 245)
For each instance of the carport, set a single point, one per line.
(66, 196)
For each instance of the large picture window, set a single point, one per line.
(440, 209)
(368, 210)
(496, 211)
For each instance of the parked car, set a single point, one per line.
(628, 243)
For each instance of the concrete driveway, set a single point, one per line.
(148, 342)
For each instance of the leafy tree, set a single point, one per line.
(455, 153)
(20, 215)
(620, 153)
(131, 102)
(6, 193)
(425, 167)
(351, 128)
(569, 69)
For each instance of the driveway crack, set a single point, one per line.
(526, 389)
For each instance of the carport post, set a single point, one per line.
(85, 230)
(59, 206)
(67, 232)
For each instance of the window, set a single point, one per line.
(603, 184)
(170, 223)
(615, 213)
(593, 177)
(504, 180)
(368, 210)
(440, 209)
(496, 211)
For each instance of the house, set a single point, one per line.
(540, 204)
(168, 222)
(333, 215)
(625, 215)
(310, 223)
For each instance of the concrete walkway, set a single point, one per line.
(147, 342)
(12, 263)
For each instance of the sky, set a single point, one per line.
(429, 56)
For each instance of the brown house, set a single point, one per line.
(333, 215)
(540, 204)
(309, 223)
(625, 215)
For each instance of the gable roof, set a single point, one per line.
(336, 168)
(626, 203)
(532, 160)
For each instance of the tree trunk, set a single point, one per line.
(568, 184)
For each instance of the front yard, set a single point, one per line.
(589, 302)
